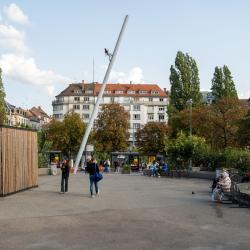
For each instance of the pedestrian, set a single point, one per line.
(93, 168)
(106, 166)
(65, 168)
(116, 165)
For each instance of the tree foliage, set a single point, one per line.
(66, 135)
(151, 138)
(244, 130)
(111, 130)
(183, 148)
(2, 102)
(185, 82)
(223, 84)
(218, 123)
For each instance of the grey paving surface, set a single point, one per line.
(133, 212)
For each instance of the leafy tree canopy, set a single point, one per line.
(185, 82)
(223, 84)
(66, 135)
(151, 138)
(111, 130)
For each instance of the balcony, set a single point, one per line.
(57, 102)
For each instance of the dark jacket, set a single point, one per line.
(92, 168)
(65, 169)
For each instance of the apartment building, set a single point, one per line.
(34, 118)
(144, 102)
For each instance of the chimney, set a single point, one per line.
(82, 84)
(165, 90)
(130, 82)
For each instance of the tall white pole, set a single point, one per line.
(95, 111)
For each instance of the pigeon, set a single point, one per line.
(193, 192)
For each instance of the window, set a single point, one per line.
(131, 92)
(77, 99)
(77, 91)
(143, 92)
(119, 91)
(137, 107)
(88, 91)
(161, 99)
(112, 99)
(150, 99)
(161, 108)
(136, 117)
(57, 107)
(136, 99)
(150, 117)
(76, 107)
(85, 116)
(59, 99)
(136, 125)
(108, 92)
(58, 116)
(154, 92)
(85, 98)
(85, 107)
(161, 117)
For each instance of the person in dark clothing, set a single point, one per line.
(92, 168)
(65, 175)
(116, 163)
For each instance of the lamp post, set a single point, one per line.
(190, 102)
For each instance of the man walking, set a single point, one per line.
(65, 175)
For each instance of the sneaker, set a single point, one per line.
(61, 192)
(98, 193)
(92, 196)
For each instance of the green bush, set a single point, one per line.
(184, 148)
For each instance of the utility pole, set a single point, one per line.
(95, 111)
(190, 101)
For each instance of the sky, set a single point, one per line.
(45, 45)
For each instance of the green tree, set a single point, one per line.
(184, 148)
(185, 82)
(244, 130)
(66, 135)
(223, 84)
(151, 138)
(2, 102)
(217, 123)
(111, 130)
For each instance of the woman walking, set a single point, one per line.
(92, 169)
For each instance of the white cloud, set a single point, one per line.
(244, 95)
(14, 13)
(25, 70)
(135, 75)
(11, 38)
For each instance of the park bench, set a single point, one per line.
(239, 192)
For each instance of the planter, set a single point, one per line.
(43, 171)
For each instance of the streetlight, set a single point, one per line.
(190, 102)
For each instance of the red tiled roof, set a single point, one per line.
(112, 87)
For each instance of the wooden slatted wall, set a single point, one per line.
(18, 160)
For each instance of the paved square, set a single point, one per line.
(132, 212)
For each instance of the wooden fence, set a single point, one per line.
(18, 159)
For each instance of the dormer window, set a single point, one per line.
(143, 92)
(154, 92)
(77, 91)
(131, 92)
(119, 91)
(88, 91)
(108, 92)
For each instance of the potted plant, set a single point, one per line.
(126, 169)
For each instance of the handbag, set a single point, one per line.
(97, 176)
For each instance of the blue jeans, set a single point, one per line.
(92, 181)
